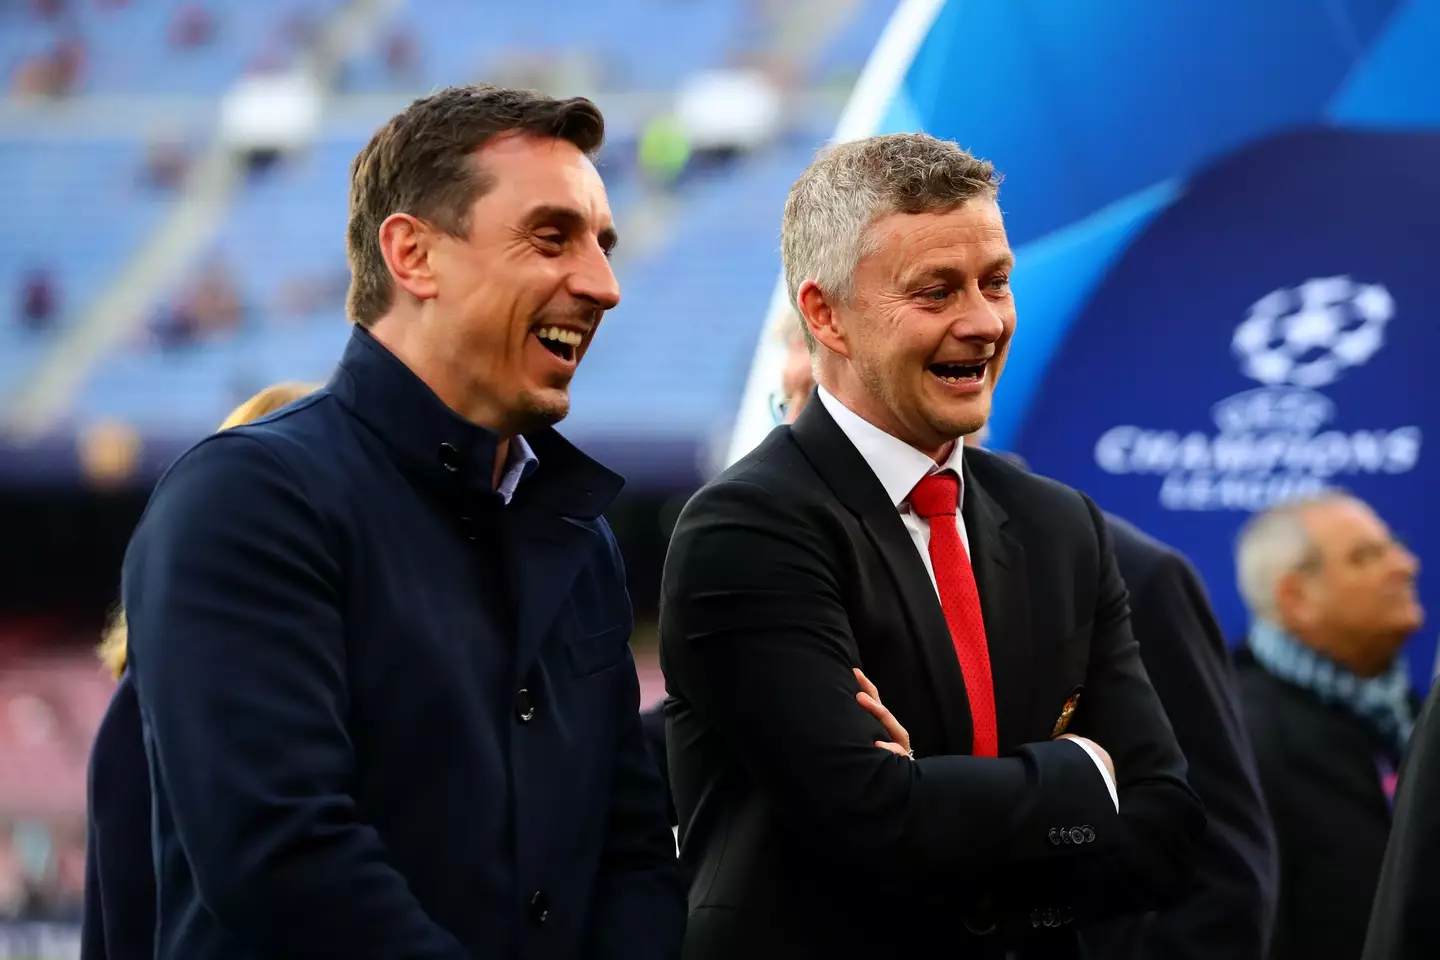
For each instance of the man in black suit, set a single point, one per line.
(1405, 923)
(1230, 911)
(1003, 647)
(1328, 704)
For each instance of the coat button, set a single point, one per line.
(1077, 835)
(1054, 837)
(524, 706)
(1089, 832)
(450, 457)
(539, 907)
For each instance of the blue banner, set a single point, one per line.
(1269, 333)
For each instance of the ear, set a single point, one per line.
(820, 315)
(1293, 597)
(405, 243)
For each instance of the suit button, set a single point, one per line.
(1054, 836)
(524, 706)
(1035, 919)
(450, 457)
(1089, 832)
(1077, 835)
(539, 907)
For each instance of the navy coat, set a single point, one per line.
(387, 715)
(119, 918)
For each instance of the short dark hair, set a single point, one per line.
(421, 163)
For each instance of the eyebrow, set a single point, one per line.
(572, 219)
(1005, 261)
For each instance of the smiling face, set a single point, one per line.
(919, 344)
(521, 295)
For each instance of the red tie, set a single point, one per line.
(934, 498)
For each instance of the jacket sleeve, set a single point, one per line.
(238, 650)
(1231, 910)
(756, 638)
(640, 898)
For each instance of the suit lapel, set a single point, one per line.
(856, 486)
(547, 553)
(999, 563)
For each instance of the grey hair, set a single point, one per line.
(825, 230)
(1273, 543)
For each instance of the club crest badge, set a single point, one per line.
(1066, 712)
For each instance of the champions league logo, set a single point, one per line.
(1278, 440)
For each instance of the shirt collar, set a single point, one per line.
(520, 462)
(897, 465)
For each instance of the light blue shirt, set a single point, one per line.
(520, 462)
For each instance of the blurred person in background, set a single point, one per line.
(380, 641)
(808, 559)
(1405, 922)
(119, 917)
(1329, 706)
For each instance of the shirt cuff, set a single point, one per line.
(1104, 772)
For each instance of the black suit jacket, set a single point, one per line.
(1230, 912)
(119, 918)
(1318, 768)
(792, 568)
(385, 715)
(1405, 922)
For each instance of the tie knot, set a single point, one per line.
(936, 495)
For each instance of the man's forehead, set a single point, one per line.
(975, 226)
(1342, 517)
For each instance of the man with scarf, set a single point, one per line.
(1328, 704)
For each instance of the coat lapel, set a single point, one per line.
(856, 486)
(547, 554)
(998, 560)
(553, 534)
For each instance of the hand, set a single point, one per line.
(1104, 755)
(869, 698)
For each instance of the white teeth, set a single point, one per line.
(559, 335)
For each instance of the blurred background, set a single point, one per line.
(1223, 213)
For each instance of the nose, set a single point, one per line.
(980, 317)
(594, 280)
(1409, 563)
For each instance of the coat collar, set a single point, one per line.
(444, 450)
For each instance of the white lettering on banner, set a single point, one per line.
(1270, 445)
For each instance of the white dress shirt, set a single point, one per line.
(899, 467)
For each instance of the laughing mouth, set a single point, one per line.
(560, 341)
(958, 372)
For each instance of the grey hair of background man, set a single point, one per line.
(1273, 543)
(825, 231)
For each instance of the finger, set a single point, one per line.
(887, 719)
(894, 748)
(865, 683)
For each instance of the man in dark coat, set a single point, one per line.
(1327, 699)
(380, 639)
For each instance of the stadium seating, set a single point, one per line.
(75, 209)
(640, 44)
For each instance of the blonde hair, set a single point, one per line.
(115, 643)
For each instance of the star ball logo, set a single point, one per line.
(1271, 443)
